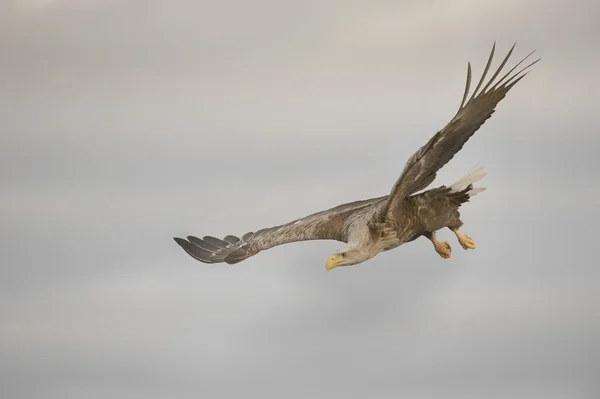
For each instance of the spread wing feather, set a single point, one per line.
(422, 166)
(332, 224)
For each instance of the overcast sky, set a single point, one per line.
(125, 123)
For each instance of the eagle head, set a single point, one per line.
(345, 257)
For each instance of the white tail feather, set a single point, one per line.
(470, 178)
(475, 191)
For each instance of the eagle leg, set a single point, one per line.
(442, 248)
(465, 241)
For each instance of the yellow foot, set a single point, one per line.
(465, 241)
(442, 248)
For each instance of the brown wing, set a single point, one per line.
(422, 166)
(326, 225)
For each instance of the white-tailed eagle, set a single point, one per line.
(371, 226)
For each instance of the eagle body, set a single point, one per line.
(435, 209)
(368, 227)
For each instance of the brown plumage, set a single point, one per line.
(378, 224)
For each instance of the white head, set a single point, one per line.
(347, 256)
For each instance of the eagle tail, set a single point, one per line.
(465, 183)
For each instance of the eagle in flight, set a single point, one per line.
(371, 226)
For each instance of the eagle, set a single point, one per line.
(370, 226)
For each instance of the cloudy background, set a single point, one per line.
(125, 123)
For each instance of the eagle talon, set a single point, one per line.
(465, 241)
(443, 249)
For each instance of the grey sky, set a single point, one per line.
(126, 123)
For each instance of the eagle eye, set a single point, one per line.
(343, 254)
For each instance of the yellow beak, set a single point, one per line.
(331, 263)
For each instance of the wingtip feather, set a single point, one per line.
(179, 241)
(467, 87)
(485, 71)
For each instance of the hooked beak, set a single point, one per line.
(332, 263)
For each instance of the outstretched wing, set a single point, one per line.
(422, 166)
(332, 224)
